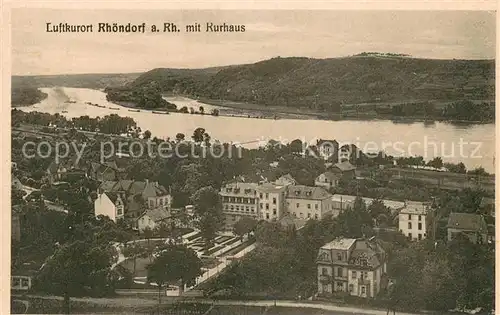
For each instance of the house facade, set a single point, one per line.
(473, 226)
(415, 220)
(306, 202)
(344, 169)
(239, 200)
(153, 218)
(328, 149)
(357, 267)
(137, 197)
(110, 204)
(271, 201)
(327, 180)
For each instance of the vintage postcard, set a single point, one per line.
(211, 161)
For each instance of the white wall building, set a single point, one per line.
(415, 220)
(109, 204)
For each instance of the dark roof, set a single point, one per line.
(370, 250)
(307, 192)
(113, 196)
(157, 214)
(467, 221)
(345, 166)
(330, 175)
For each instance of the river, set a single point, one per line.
(474, 145)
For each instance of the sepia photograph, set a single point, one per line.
(253, 162)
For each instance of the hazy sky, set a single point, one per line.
(319, 34)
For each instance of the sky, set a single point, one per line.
(269, 33)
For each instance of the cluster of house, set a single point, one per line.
(147, 204)
(275, 200)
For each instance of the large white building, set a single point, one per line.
(239, 200)
(415, 220)
(271, 201)
(306, 202)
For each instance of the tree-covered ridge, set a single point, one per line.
(26, 96)
(330, 84)
(147, 96)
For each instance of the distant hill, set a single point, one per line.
(325, 84)
(91, 81)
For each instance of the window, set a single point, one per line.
(274, 201)
(420, 226)
(267, 196)
(119, 211)
(267, 216)
(260, 195)
(316, 206)
(267, 206)
(247, 208)
(324, 271)
(237, 208)
(354, 275)
(316, 216)
(161, 202)
(409, 236)
(340, 272)
(363, 290)
(261, 205)
(151, 203)
(274, 211)
(226, 207)
(232, 207)
(351, 287)
(363, 275)
(419, 218)
(253, 209)
(308, 215)
(298, 205)
(409, 217)
(419, 236)
(409, 225)
(339, 256)
(308, 206)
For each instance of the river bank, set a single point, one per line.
(305, 113)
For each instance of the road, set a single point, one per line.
(132, 302)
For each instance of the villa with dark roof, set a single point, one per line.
(357, 267)
(471, 225)
(136, 197)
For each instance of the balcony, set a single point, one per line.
(325, 278)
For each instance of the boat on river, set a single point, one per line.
(114, 108)
(134, 110)
(161, 113)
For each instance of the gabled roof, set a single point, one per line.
(157, 214)
(467, 221)
(113, 196)
(345, 166)
(330, 176)
(307, 192)
(107, 185)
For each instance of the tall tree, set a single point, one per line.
(75, 267)
(176, 263)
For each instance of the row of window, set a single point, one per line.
(239, 200)
(340, 273)
(419, 217)
(419, 237)
(238, 208)
(419, 226)
(301, 215)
